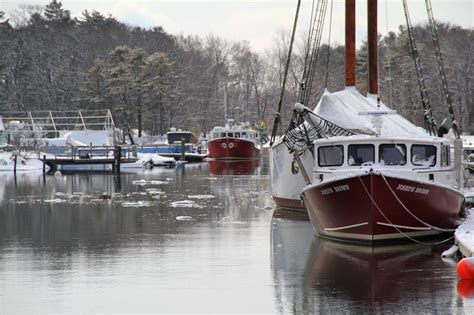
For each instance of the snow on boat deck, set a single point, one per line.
(464, 234)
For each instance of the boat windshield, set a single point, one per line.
(331, 155)
(393, 154)
(177, 136)
(423, 155)
(361, 154)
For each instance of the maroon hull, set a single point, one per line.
(365, 208)
(232, 148)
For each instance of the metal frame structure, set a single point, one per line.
(34, 125)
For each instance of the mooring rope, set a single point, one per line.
(394, 226)
(411, 213)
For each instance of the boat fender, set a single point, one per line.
(465, 268)
(465, 288)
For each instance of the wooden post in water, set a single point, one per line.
(183, 149)
(44, 164)
(119, 158)
(15, 160)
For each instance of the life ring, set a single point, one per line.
(224, 145)
(231, 145)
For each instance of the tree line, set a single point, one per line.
(152, 80)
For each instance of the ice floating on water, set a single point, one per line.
(136, 204)
(57, 200)
(184, 218)
(185, 204)
(143, 182)
(201, 197)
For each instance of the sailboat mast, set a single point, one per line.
(372, 46)
(350, 52)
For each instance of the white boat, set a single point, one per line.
(7, 163)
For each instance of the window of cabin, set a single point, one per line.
(237, 134)
(445, 155)
(359, 154)
(230, 134)
(222, 134)
(393, 154)
(423, 155)
(331, 155)
(244, 135)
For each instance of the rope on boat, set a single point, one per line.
(411, 213)
(394, 226)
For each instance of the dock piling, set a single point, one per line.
(15, 160)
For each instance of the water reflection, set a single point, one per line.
(238, 167)
(84, 243)
(314, 275)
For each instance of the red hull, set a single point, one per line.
(365, 208)
(232, 148)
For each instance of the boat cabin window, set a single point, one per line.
(244, 135)
(359, 154)
(230, 134)
(331, 155)
(423, 155)
(393, 154)
(445, 155)
(237, 134)
(222, 134)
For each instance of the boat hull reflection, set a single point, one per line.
(242, 167)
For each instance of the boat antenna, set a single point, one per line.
(430, 123)
(329, 47)
(285, 75)
(439, 59)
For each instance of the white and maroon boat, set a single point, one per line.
(367, 188)
(233, 142)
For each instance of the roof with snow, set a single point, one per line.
(348, 109)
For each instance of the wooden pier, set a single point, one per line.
(81, 156)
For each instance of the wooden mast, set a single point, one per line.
(350, 52)
(372, 46)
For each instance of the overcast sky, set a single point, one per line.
(255, 21)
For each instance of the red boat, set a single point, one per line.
(233, 142)
(382, 190)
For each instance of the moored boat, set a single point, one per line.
(368, 188)
(233, 142)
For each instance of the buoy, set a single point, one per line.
(57, 174)
(465, 288)
(465, 268)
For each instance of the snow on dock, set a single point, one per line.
(464, 234)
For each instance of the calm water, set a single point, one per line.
(202, 239)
